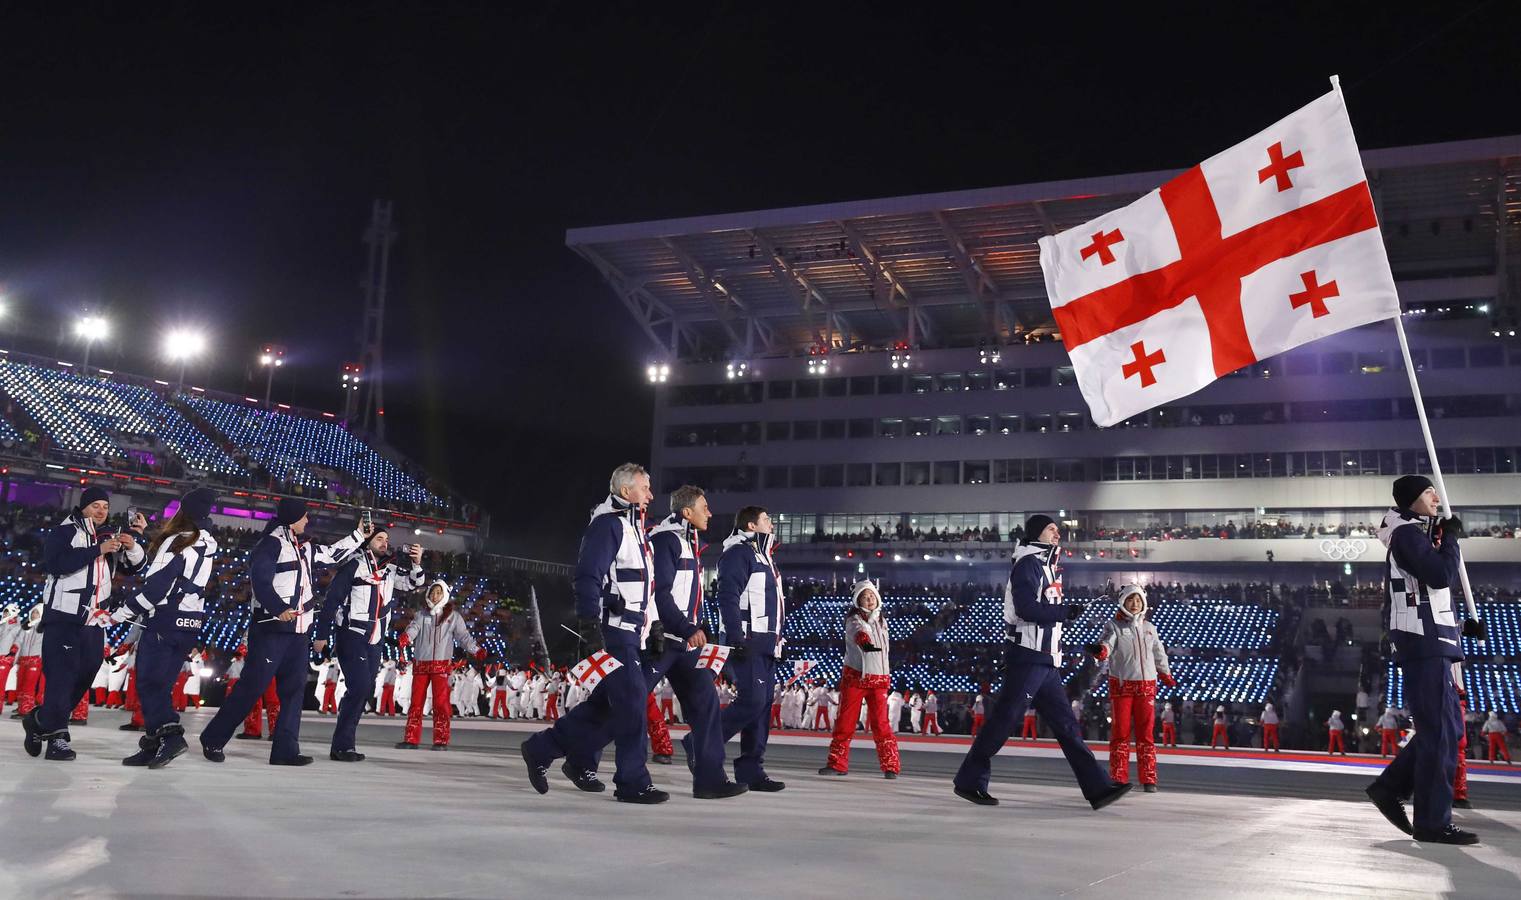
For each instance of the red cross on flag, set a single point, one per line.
(713, 657)
(590, 671)
(1271, 244)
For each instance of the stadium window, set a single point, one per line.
(1041, 424)
(1372, 363)
(863, 385)
(977, 471)
(948, 472)
(1263, 467)
(779, 390)
(890, 428)
(948, 425)
(1388, 462)
(1302, 362)
(1447, 358)
(1209, 466)
(835, 387)
(1038, 378)
(921, 384)
(1008, 424)
(949, 382)
(1314, 463)
(1005, 471)
(1109, 469)
(889, 474)
(683, 435)
(778, 431)
(979, 425)
(832, 430)
(776, 477)
(1066, 376)
(806, 389)
(1190, 467)
(858, 475)
(1484, 356)
(1125, 467)
(1270, 368)
(1068, 470)
(832, 475)
(979, 381)
(807, 430)
(889, 384)
(1005, 379)
(1070, 421)
(1513, 355)
(1337, 363)
(919, 427)
(861, 428)
(1465, 461)
(916, 473)
(802, 477)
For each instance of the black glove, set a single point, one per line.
(1473, 628)
(1451, 527)
(869, 647)
(1094, 649)
(590, 633)
(1074, 610)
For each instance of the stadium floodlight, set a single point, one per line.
(818, 365)
(184, 343)
(737, 370)
(90, 329)
(660, 373)
(271, 357)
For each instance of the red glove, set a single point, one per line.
(404, 640)
(862, 638)
(480, 654)
(1166, 679)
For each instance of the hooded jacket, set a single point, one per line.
(433, 638)
(31, 633)
(863, 628)
(79, 577)
(10, 632)
(1132, 646)
(1032, 606)
(750, 599)
(677, 553)
(1418, 601)
(614, 574)
(1493, 725)
(1269, 715)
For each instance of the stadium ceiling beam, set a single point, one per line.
(878, 269)
(719, 296)
(978, 282)
(648, 310)
(804, 291)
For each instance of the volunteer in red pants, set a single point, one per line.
(660, 733)
(269, 705)
(10, 642)
(178, 694)
(1389, 732)
(388, 690)
(1494, 733)
(867, 679)
(979, 713)
(776, 712)
(1137, 661)
(552, 701)
(1028, 732)
(1169, 726)
(1336, 731)
(1218, 734)
(1270, 729)
(932, 714)
(29, 660)
(433, 634)
(820, 698)
(330, 691)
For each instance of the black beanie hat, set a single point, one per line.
(1034, 526)
(1407, 488)
(290, 510)
(92, 494)
(197, 504)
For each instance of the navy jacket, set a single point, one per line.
(666, 544)
(1420, 608)
(749, 595)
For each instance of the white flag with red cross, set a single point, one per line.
(1271, 244)
(590, 671)
(713, 657)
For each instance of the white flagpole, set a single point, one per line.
(1436, 469)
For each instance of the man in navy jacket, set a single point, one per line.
(751, 607)
(1033, 616)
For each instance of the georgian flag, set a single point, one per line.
(1271, 244)
(800, 668)
(713, 657)
(590, 671)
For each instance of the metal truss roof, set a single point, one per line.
(954, 268)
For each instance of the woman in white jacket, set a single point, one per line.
(867, 678)
(1137, 660)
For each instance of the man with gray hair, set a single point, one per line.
(614, 595)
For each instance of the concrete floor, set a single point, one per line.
(466, 824)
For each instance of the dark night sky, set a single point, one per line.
(181, 165)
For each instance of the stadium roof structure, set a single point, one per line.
(960, 267)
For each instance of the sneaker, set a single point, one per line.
(297, 760)
(830, 770)
(650, 795)
(663, 759)
(405, 745)
(171, 743)
(146, 748)
(890, 776)
(536, 771)
(1452, 834)
(212, 754)
(33, 739)
(1462, 803)
(245, 736)
(440, 746)
(1149, 788)
(1109, 796)
(767, 785)
(726, 790)
(585, 780)
(346, 756)
(978, 796)
(58, 748)
(1389, 804)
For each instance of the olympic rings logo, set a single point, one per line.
(1343, 549)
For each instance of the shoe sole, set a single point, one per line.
(176, 755)
(1405, 829)
(1110, 799)
(967, 796)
